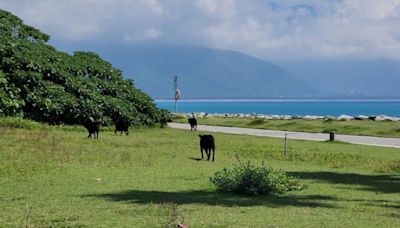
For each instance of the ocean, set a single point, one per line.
(287, 107)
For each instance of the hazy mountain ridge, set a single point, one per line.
(206, 73)
(349, 78)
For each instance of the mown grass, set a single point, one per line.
(53, 177)
(353, 127)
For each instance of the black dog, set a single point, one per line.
(207, 143)
(193, 122)
(122, 126)
(93, 127)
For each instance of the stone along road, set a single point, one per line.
(363, 140)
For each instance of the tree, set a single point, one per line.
(43, 84)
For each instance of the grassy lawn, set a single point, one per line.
(353, 127)
(55, 177)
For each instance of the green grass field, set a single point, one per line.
(353, 127)
(56, 177)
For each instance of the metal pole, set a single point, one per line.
(176, 106)
(175, 89)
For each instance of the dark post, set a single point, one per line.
(331, 136)
(285, 147)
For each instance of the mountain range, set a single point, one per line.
(350, 78)
(205, 73)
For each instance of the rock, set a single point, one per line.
(309, 117)
(287, 117)
(276, 117)
(345, 118)
(361, 117)
(330, 118)
(268, 117)
(385, 118)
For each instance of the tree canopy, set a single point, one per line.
(43, 84)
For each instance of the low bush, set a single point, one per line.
(249, 179)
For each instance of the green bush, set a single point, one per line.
(165, 117)
(254, 180)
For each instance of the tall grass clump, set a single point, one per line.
(248, 179)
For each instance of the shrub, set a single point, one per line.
(254, 180)
(165, 117)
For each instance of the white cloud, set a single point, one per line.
(264, 28)
(152, 33)
(148, 34)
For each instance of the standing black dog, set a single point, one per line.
(122, 126)
(93, 127)
(207, 143)
(193, 123)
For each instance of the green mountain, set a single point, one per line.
(205, 73)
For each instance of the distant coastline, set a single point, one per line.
(292, 107)
(281, 100)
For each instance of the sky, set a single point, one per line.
(268, 29)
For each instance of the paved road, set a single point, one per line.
(363, 140)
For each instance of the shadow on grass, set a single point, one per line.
(375, 183)
(215, 198)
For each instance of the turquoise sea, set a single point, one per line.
(287, 107)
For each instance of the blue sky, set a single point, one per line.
(285, 29)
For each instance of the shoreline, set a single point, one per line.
(315, 107)
(282, 100)
(291, 117)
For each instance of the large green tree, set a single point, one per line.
(43, 84)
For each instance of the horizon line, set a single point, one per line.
(277, 100)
